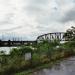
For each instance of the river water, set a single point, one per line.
(66, 67)
(6, 49)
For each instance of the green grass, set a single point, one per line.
(37, 68)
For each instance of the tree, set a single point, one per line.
(70, 34)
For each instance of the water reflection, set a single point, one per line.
(67, 67)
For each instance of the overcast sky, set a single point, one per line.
(34, 17)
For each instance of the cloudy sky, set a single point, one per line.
(34, 17)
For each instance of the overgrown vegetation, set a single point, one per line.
(42, 53)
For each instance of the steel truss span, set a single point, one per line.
(51, 36)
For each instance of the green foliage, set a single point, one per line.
(70, 44)
(20, 51)
(70, 34)
(47, 47)
(14, 52)
(35, 59)
(24, 50)
(43, 52)
(2, 52)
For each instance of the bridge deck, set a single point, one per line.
(15, 43)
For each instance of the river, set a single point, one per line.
(6, 49)
(66, 67)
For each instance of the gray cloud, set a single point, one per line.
(11, 29)
(73, 1)
(69, 16)
(36, 7)
(36, 16)
(43, 13)
(38, 2)
(8, 19)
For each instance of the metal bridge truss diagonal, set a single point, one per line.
(51, 36)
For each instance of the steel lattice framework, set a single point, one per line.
(51, 36)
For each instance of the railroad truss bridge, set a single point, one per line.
(49, 36)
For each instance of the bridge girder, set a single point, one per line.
(15, 43)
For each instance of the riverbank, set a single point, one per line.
(43, 66)
(44, 55)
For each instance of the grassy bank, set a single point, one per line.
(43, 55)
(40, 67)
(37, 68)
